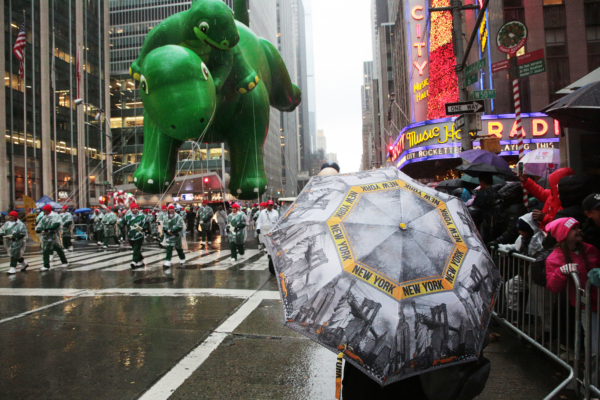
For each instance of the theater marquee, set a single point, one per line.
(439, 138)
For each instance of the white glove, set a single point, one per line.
(568, 269)
(138, 228)
(231, 229)
(8, 237)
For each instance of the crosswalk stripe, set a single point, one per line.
(147, 261)
(38, 260)
(259, 265)
(126, 258)
(208, 259)
(108, 258)
(227, 265)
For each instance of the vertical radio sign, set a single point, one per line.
(418, 59)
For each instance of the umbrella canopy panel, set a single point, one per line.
(389, 271)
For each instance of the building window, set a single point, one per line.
(557, 56)
(552, 2)
(592, 26)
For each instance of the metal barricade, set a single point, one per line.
(80, 231)
(538, 316)
(590, 327)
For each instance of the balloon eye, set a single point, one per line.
(204, 27)
(205, 72)
(144, 84)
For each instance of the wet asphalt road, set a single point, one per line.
(213, 330)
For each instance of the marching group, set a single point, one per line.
(167, 226)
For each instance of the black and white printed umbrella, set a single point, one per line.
(388, 271)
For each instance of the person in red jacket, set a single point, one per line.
(548, 196)
(571, 255)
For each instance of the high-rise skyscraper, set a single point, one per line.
(66, 147)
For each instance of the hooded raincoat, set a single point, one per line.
(50, 228)
(109, 223)
(16, 244)
(235, 227)
(176, 226)
(550, 197)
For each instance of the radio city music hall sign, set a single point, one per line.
(418, 57)
(443, 131)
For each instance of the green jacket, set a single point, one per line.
(176, 226)
(205, 213)
(67, 224)
(132, 221)
(50, 229)
(98, 222)
(18, 230)
(235, 227)
(109, 222)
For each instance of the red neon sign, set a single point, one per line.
(414, 15)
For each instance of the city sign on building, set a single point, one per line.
(418, 57)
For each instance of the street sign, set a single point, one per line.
(531, 63)
(500, 66)
(476, 66)
(465, 107)
(474, 122)
(459, 122)
(483, 94)
(511, 37)
(471, 79)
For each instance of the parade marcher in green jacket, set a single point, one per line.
(136, 222)
(236, 222)
(174, 230)
(50, 228)
(98, 228)
(14, 233)
(160, 218)
(109, 223)
(154, 225)
(67, 228)
(205, 214)
(122, 227)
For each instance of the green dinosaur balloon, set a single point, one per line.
(183, 101)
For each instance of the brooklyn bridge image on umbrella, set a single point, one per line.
(388, 271)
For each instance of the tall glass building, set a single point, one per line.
(55, 146)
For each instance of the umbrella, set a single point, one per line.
(484, 157)
(450, 184)
(475, 181)
(82, 210)
(386, 270)
(537, 162)
(3, 213)
(580, 109)
(477, 170)
(42, 201)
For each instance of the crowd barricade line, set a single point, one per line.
(591, 365)
(535, 315)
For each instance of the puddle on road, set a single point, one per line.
(149, 281)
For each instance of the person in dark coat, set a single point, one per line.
(511, 202)
(591, 226)
(485, 201)
(572, 190)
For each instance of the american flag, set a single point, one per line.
(19, 49)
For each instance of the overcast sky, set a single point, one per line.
(341, 43)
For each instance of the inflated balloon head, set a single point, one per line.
(330, 165)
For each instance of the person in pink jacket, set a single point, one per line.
(550, 197)
(571, 255)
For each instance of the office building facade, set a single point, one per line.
(62, 150)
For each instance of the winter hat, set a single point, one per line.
(47, 207)
(65, 207)
(163, 207)
(204, 202)
(13, 214)
(559, 228)
(134, 205)
(235, 205)
(108, 208)
(263, 204)
(524, 226)
(171, 207)
(270, 203)
(591, 202)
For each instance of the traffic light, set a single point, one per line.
(391, 148)
(205, 180)
(279, 192)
